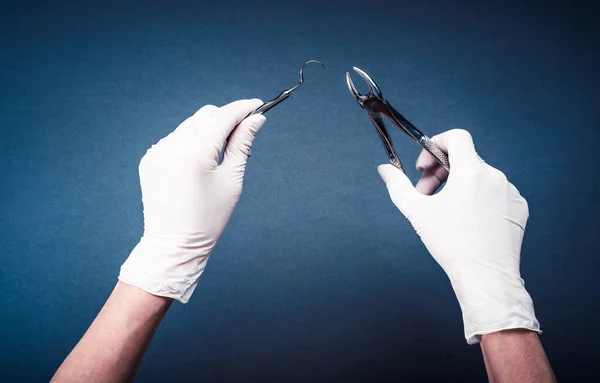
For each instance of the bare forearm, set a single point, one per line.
(114, 345)
(515, 356)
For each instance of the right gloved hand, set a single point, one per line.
(473, 228)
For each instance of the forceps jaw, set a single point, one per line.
(373, 88)
(374, 91)
(353, 91)
(376, 106)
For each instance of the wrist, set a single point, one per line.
(138, 304)
(494, 338)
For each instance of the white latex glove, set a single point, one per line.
(473, 228)
(189, 198)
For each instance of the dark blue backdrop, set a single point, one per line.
(318, 277)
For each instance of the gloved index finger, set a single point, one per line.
(229, 116)
(458, 144)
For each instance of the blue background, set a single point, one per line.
(317, 277)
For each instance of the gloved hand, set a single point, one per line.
(189, 198)
(473, 228)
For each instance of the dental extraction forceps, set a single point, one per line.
(286, 93)
(376, 106)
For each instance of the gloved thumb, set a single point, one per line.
(402, 192)
(240, 141)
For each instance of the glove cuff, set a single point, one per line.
(161, 268)
(493, 301)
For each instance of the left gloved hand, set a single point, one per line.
(189, 198)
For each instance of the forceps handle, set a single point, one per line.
(424, 141)
(427, 144)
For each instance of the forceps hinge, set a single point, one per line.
(376, 106)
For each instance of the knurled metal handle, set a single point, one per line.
(435, 150)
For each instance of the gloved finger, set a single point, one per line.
(426, 161)
(206, 111)
(187, 126)
(240, 141)
(177, 139)
(198, 119)
(458, 144)
(227, 117)
(434, 174)
(401, 190)
(429, 181)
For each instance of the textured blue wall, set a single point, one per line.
(317, 277)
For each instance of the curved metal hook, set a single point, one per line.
(286, 93)
(302, 73)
